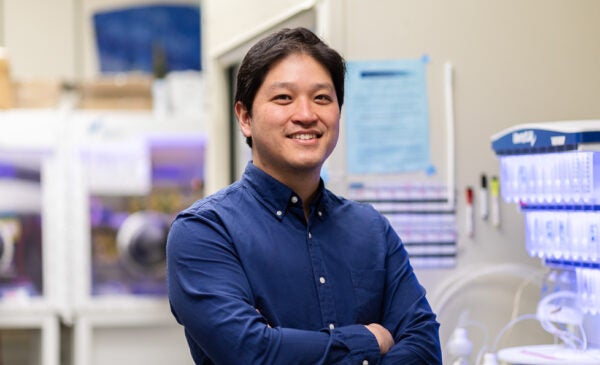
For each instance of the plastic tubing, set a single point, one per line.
(448, 289)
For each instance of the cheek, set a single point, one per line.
(334, 123)
(270, 116)
(335, 131)
(275, 116)
(334, 141)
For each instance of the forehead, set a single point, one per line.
(297, 66)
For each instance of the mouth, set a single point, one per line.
(305, 136)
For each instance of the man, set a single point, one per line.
(275, 269)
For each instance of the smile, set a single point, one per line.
(304, 136)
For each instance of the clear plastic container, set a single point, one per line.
(563, 235)
(551, 178)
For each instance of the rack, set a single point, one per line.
(552, 170)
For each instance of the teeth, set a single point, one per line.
(303, 136)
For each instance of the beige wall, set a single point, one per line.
(514, 62)
(40, 37)
(1, 22)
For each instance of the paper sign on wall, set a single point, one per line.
(387, 116)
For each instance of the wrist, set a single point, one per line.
(382, 335)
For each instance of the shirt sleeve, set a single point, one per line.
(211, 297)
(407, 313)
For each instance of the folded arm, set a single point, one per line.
(407, 314)
(211, 297)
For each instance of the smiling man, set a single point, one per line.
(276, 269)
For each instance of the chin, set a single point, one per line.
(307, 166)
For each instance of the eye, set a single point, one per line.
(282, 98)
(323, 98)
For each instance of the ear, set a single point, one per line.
(244, 119)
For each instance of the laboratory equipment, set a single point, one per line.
(552, 170)
(21, 248)
(20, 230)
(129, 228)
(134, 176)
(129, 175)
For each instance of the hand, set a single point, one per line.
(383, 336)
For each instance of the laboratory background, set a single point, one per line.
(471, 125)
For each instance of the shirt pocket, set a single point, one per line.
(368, 295)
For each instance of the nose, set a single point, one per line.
(304, 111)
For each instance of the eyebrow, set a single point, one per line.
(291, 85)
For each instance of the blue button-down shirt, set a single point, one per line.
(253, 282)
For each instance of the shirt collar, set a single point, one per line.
(276, 196)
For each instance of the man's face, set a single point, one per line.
(295, 121)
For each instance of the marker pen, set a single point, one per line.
(483, 198)
(495, 209)
(469, 213)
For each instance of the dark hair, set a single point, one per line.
(266, 52)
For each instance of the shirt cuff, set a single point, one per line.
(361, 343)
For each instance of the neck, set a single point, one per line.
(307, 192)
(307, 189)
(304, 183)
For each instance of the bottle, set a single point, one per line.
(6, 95)
(161, 103)
(490, 359)
(459, 346)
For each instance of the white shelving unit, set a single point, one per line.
(54, 141)
(39, 317)
(28, 142)
(102, 320)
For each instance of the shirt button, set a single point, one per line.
(279, 213)
(320, 213)
(331, 326)
(294, 199)
(322, 280)
(365, 362)
(309, 235)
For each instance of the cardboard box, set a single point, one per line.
(118, 92)
(6, 92)
(37, 94)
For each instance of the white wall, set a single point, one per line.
(231, 20)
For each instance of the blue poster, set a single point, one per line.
(130, 38)
(386, 113)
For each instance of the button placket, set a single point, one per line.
(325, 294)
